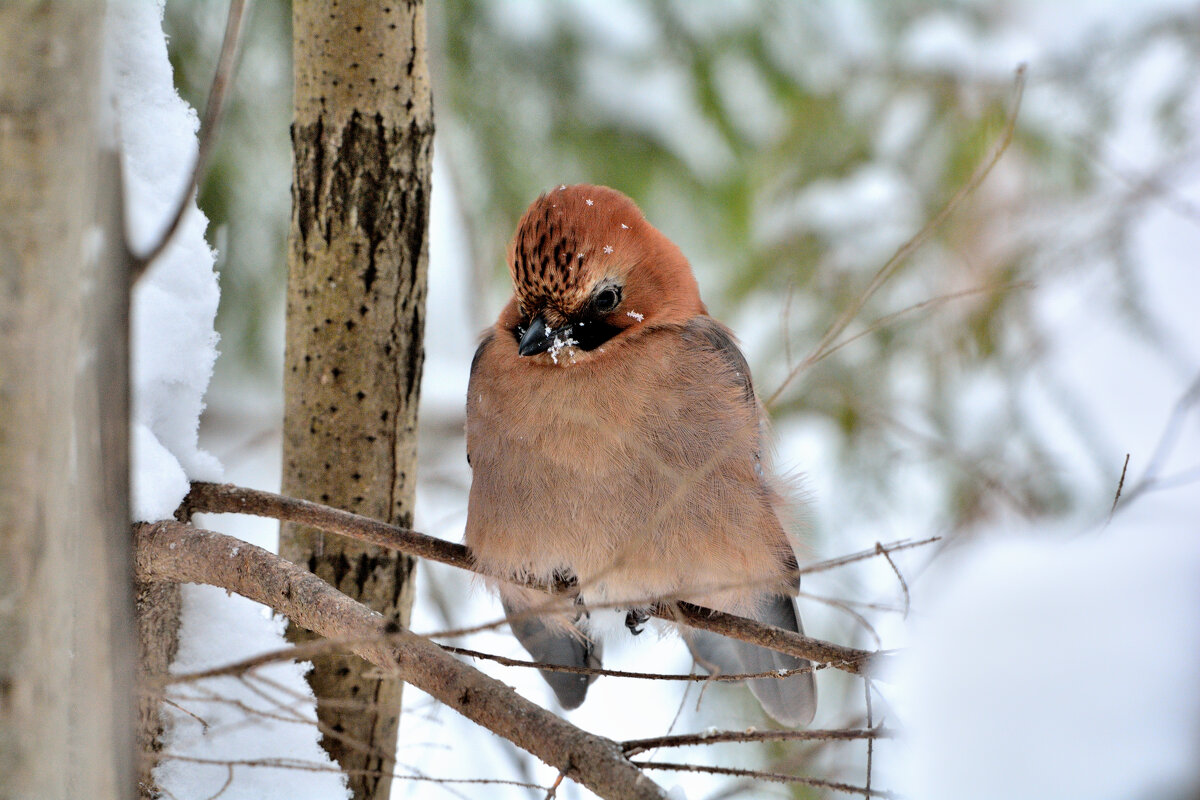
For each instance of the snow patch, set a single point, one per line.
(1029, 675)
(278, 725)
(175, 303)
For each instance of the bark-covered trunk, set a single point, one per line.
(361, 137)
(66, 724)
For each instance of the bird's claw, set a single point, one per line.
(635, 618)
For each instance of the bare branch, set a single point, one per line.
(214, 108)
(634, 747)
(890, 547)
(774, 777)
(617, 673)
(225, 498)
(308, 650)
(309, 766)
(870, 742)
(174, 551)
(847, 659)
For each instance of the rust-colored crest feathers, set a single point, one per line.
(574, 239)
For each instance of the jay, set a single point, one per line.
(616, 444)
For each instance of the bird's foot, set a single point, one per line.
(635, 618)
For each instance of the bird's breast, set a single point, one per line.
(630, 474)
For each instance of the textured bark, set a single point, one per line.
(172, 551)
(65, 606)
(158, 608)
(362, 138)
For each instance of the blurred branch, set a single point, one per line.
(177, 552)
(912, 245)
(225, 498)
(881, 550)
(932, 302)
(214, 108)
(1167, 441)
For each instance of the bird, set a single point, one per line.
(616, 447)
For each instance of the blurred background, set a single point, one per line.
(997, 380)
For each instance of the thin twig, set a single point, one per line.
(617, 673)
(310, 766)
(203, 723)
(635, 747)
(552, 792)
(300, 652)
(774, 777)
(224, 786)
(932, 302)
(870, 742)
(850, 612)
(913, 244)
(890, 547)
(879, 548)
(1120, 485)
(214, 109)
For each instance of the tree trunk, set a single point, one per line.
(362, 139)
(65, 606)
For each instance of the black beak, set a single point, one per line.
(538, 338)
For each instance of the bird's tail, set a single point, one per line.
(549, 641)
(791, 701)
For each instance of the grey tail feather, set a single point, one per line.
(791, 701)
(548, 645)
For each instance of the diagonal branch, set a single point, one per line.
(175, 551)
(229, 499)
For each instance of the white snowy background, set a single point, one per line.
(1038, 663)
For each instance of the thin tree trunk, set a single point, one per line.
(65, 606)
(362, 139)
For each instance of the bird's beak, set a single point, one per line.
(538, 338)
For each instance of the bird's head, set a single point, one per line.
(589, 271)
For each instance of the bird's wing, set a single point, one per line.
(487, 339)
(707, 332)
(791, 701)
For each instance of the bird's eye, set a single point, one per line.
(608, 299)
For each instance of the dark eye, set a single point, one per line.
(608, 299)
